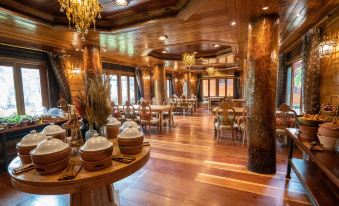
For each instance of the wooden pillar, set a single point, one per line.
(261, 94)
(91, 60)
(159, 76)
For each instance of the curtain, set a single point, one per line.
(199, 88)
(173, 84)
(236, 86)
(281, 80)
(140, 82)
(310, 72)
(152, 84)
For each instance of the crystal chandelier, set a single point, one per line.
(81, 13)
(188, 59)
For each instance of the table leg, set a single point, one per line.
(4, 151)
(161, 120)
(102, 196)
(290, 154)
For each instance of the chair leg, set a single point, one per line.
(218, 134)
(243, 137)
(232, 136)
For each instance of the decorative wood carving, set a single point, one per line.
(261, 94)
(159, 76)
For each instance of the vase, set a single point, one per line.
(103, 131)
(90, 132)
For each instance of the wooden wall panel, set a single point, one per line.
(146, 75)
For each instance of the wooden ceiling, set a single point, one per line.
(126, 33)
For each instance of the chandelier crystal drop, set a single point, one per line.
(81, 13)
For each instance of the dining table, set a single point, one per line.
(88, 188)
(160, 109)
(193, 101)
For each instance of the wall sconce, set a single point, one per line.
(328, 45)
(210, 71)
(74, 70)
(176, 80)
(147, 77)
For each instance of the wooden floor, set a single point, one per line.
(188, 167)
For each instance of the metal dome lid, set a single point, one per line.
(32, 139)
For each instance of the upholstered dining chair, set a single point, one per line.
(154, 101)
(167, 115)
(285, 118)
(140, 100)
(146, 117)
(129, 111)
(226, 120)
(185, 106)
(242, 123)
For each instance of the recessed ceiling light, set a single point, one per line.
(233, 23)
(104, 45)
(122, 2)
(163, 37)
(76, 49)
(298, 14)
(164, 51)
(74, 43)
(104, 50)
(82, 50)
(265, 8)
(216, 45)
(195, 52)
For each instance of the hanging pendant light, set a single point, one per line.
(328, 45)
(122, 2)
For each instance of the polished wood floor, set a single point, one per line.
(188, 167)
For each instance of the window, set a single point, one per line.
(205, 88)
(114, 89)
(132, 90)
(185, 88)
(222, 87)
(230, 87)
(7, 101)
(124, 89)
(293, 86)
(213, 90)
(32, 91)
(168, 87)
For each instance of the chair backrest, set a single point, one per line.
(285, 117)
(129, 110)
(115, 110)
(193, 96)
(154, 101)
(226, 116)
(140, 100)
(168, 102)
(145, 111)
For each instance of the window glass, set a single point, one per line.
(114, 89)
(296, 97)
(32, 91)
(205, 87)
(124, 89)
(185, 88)
(132, 90)
(213, 87)
(222, 87)
(288, 86)
(168, 85)
(7, 100)
(230, 87)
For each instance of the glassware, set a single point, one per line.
(90, 132)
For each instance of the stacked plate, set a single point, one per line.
(130, 140)
(50, 156)
(27, 144)
(96, 153)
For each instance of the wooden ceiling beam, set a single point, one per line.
(192, 7)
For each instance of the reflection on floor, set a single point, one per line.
(188, 167)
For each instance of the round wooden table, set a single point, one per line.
(87, 189)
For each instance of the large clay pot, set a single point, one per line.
(329, 129)
(55, 131)
(113, 127)
(328, 143)
(29, 142)
(130, 140)
(308, 133)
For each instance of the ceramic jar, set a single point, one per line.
(130, 140)
(112, 127)
(55, 131)
(328, 133)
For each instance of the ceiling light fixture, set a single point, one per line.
(163, 37)
(195, 52)
(164, 51)
(233, 23)
(188, 59)
(122, 2)
(81, 13)
(216, 45)
(265, 8)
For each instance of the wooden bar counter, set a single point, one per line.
(88, 188)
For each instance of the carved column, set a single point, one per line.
(159, 76)
(261, 93)
(91, 60)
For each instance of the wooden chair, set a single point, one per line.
(140, 100)
(226, 120)
(154, 101)
(285, 118)
(185, 106)
(242, 123)
(146, 118)
(166, 115)
(129, 111)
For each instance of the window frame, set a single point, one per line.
(292, 66)
(216, 87)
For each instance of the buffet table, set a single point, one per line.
(319, 175)
(88, 188)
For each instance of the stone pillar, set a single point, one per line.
(91, 60)
(159, 76)
(261, 94)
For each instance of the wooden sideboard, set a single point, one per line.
(319, 174)
(9, 139)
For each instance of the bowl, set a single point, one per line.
(97, 165)
(55, 131)
(130, 150)
(97, 155)
(308, 133)
(327, 142)
(96, 148)
(329, 129)
(25, 159)
(45, 169)
(50, 151)
(130, 137)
